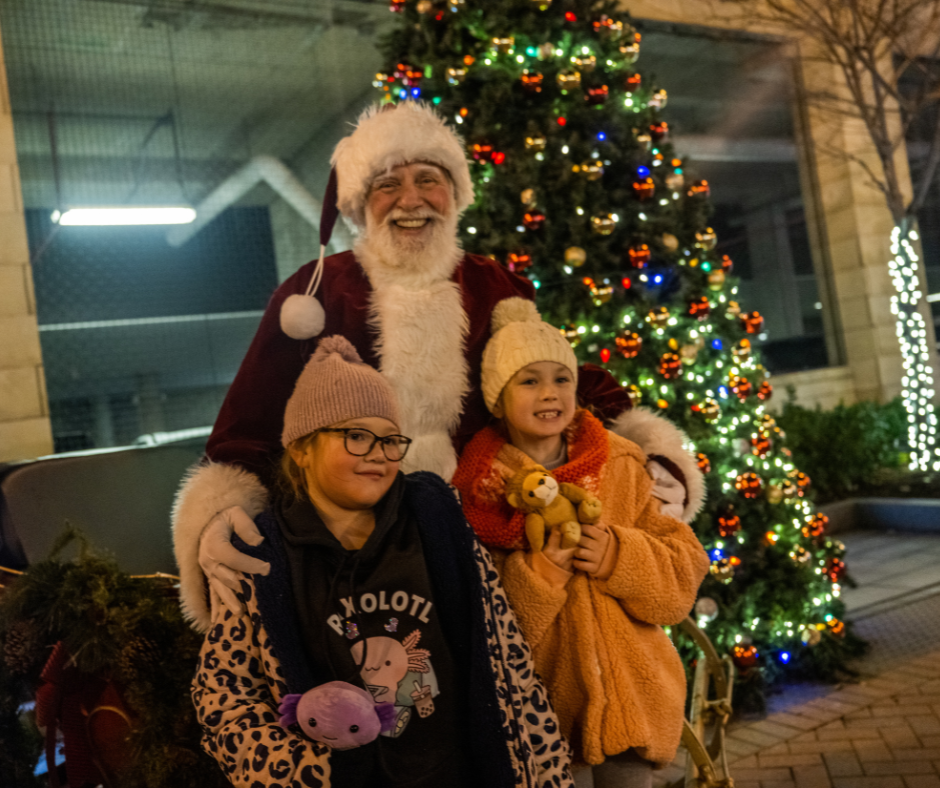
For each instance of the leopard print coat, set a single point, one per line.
(240, 683)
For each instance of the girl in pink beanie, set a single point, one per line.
(376, 580)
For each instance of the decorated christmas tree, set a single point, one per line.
(579, 188)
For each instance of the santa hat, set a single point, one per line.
(386, 136)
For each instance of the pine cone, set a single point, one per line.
(139, 655)
(19, 647)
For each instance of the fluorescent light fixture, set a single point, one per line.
(124, 215)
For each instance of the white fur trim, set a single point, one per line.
(421, 338)
(387, 137)
(657, 435)
(433, 453)
(205, 491)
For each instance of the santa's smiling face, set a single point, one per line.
(409, 200)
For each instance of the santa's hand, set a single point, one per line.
(222, 562)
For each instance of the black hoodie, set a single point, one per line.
(369, 617)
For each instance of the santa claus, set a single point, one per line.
(416, 307)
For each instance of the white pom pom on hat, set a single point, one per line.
(520, 337)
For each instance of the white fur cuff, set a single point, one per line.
(207, 489)
(656, 435)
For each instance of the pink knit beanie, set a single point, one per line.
(335, 386)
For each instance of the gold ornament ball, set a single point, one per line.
(733, 310)
(716, 279)
(456, 75)
(592, 170)
(568, 80)
(670, 242)
(658, 316)
(723, 570)
(572, 335)
(688, 354)
(503, 44)
(634, 394)
(810, 636)
(644, 140)
(706, 608)
(527, 197)
(546, 51)
(575, 256)
(425, 6)
(586, 64)
(706, 239)
(658, 99)
(630, 52)
(536, 143)
(774, 493)
(675, 181)
(742, 352)
(604, 224)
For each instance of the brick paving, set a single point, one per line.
(882, 731)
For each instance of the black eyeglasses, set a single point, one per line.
(359, 442)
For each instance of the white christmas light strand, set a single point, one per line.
(917, 382)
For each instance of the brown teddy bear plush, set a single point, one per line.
(551, 505)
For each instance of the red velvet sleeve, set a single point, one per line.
(600, 393)
(247, 431)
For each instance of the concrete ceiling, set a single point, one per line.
(160, 100)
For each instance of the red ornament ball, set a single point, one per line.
(752, 322)
(726, 264)
(703, 463)
(596, 96)
(760, 445)
(481, 151)
(749, 484)
(518, 261)
(741, 387)
(728, 523)
(815, 526)
(745, 657)
(629, 344)
(533, 221)
(639, 255)
(700, 308)
(765, 391)
(644, 189)
(670, 365)
(532, 81)
(699, 189)
(632, 82)
(659, 130)
(835, 569)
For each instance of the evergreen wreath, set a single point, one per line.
(125, 629)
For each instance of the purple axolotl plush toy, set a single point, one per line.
(338, 714)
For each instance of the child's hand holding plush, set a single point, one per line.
(597, 552)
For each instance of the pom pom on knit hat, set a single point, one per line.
(336, 386)
(514, 310)
(520, 337)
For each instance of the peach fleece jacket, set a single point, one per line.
(611, 671)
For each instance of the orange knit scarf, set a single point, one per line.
(484, 470)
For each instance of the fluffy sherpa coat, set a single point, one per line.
(612, 673)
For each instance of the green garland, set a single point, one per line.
(124, 628)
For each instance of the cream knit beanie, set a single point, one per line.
(520, 338)
(335, 386)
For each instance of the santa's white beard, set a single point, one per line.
(389, 258)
